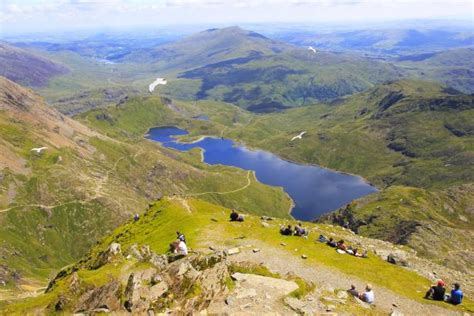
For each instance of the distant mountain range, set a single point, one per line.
(383, 42)
(243, 67)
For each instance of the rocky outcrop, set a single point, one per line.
(186, 285)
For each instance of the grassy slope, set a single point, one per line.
(171, 215)
(53, 213)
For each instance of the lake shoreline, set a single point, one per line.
(332, 186)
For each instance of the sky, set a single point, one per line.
(49, 15)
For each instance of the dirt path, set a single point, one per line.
(326, 278)
(99, 183)
(226, 192)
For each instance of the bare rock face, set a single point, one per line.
(106, 296)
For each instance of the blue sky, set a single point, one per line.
(40, 15)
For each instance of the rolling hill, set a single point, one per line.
(257, 73)
(27, 68)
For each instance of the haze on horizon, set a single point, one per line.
(25, 16)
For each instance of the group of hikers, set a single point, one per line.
(438, 293)
(299, 230)
(366, 296)
(342, 247)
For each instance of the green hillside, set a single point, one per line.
(207, 225)
(55, 205)
(412, 139)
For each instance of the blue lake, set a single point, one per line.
(314, 190)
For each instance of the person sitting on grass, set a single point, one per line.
(299, 230)
(360, 254)
(352, 291)
(287, 231)
(368, 296)
(182, 248)
(436, 292)
(331, 243)
(341, 245)
(235, 217)
(456, 295)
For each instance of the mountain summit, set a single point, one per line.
(210, 46)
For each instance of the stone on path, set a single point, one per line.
(283, 244)
(304, 256)
(295, 304)
(256, 250)
(396, 312)
(265, 224)
(232, 251)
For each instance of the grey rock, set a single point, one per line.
(295, 304)
(158, 290)
(232, 251)
(159, 261)
(229, 300)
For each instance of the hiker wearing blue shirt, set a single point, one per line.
(456, 295)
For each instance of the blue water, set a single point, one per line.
(314, 190)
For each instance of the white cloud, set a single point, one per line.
(68, 13)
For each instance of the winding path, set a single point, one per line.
(226, 192)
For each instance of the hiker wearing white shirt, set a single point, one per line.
(368, 296)
(182, 248)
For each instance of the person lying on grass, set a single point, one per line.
(235, 217)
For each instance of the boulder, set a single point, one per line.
(158, 290)
(106, 296)
(159, 261)
(115, 249)
(397, 258)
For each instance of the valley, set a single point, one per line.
(369, 140)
